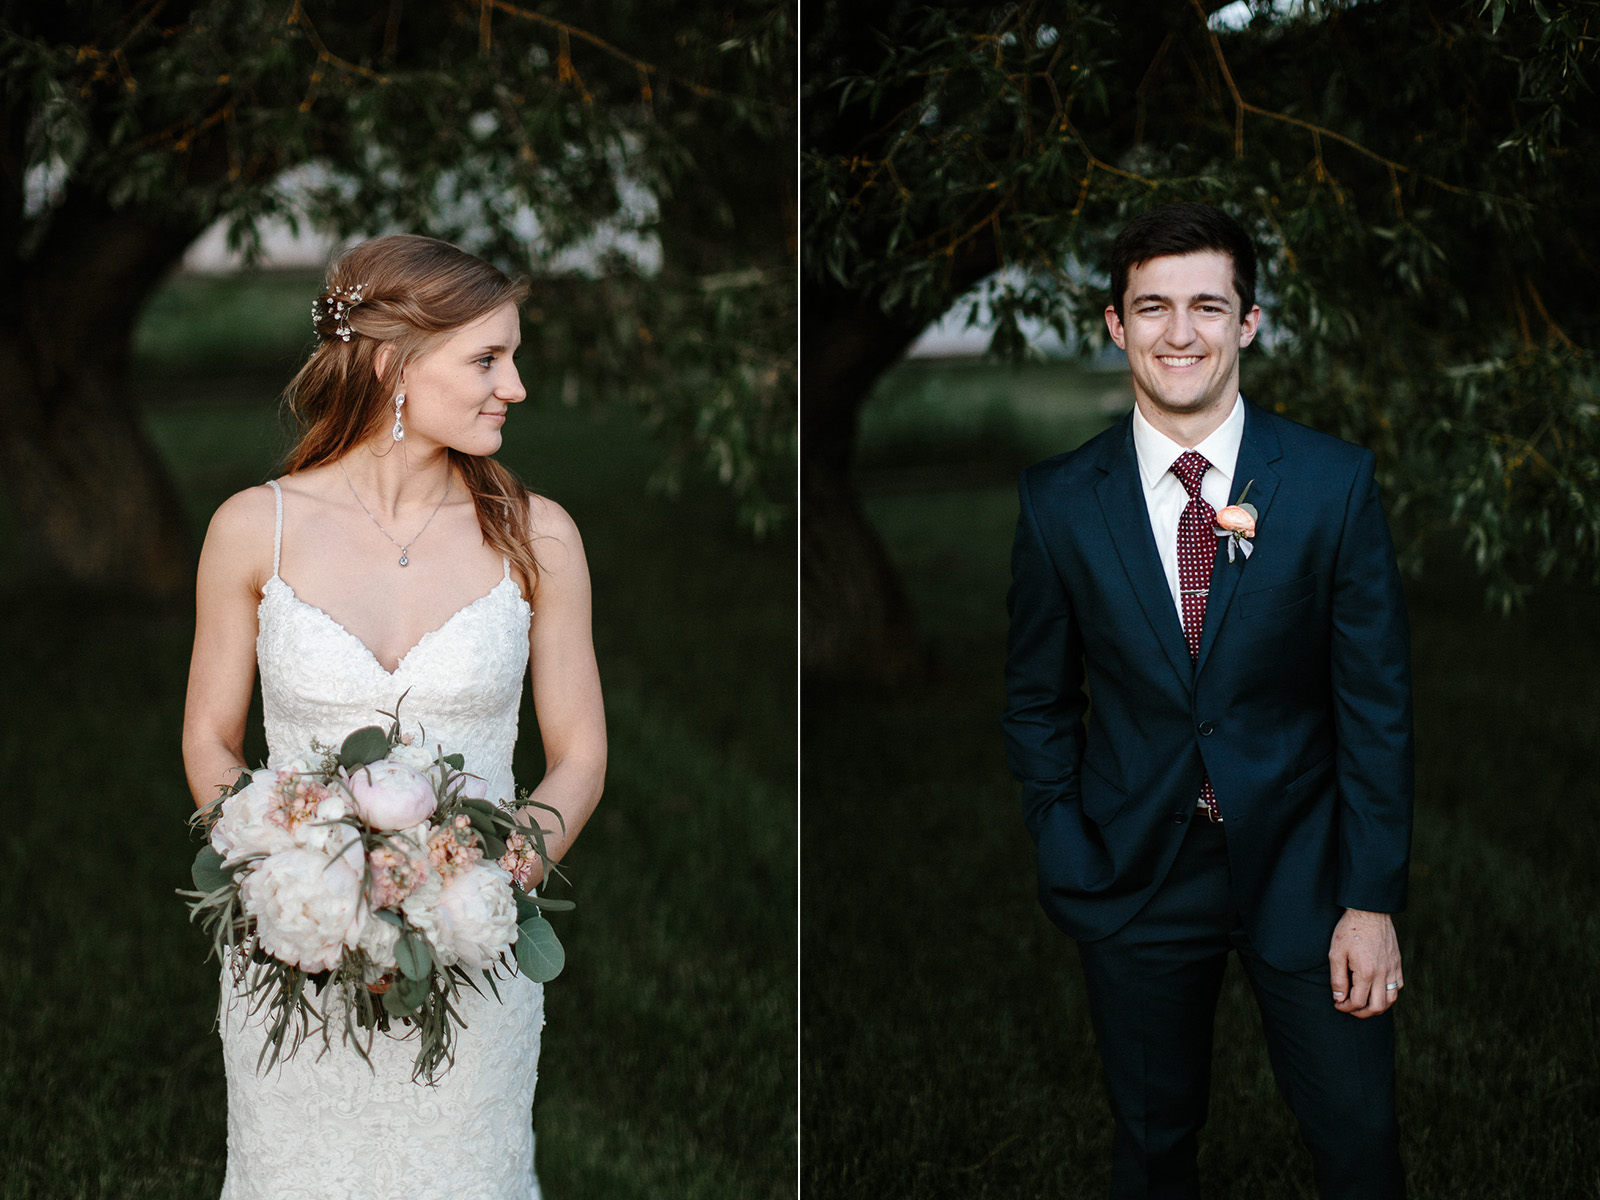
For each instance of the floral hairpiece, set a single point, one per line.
(335, 304)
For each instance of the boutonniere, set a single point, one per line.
(1237, 523)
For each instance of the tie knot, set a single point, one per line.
(1190, 468)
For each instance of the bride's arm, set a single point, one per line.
(223, 666)
(566, 683)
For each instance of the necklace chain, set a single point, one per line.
(404, 560)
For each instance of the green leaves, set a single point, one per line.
(539, 953)
(364, 746)
(413, 957)
(208, 872)
(529, 905)
(405, 996)
(1422, 205)
(489, 821)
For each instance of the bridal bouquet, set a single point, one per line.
(382, 874)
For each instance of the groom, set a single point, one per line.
(1213, 734)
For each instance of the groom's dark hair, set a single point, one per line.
(1183, 227)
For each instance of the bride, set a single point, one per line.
(395, 557)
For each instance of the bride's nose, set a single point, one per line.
(512, 391)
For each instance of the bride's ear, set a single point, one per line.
(382, 360)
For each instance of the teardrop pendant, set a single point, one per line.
(403, 559)
(399, 431)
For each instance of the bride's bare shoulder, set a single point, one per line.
(240, 537)
(549, 520)
(556, 546)
(245, 513)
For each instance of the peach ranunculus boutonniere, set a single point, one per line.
(1237, 523)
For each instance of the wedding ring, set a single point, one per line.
(1389, 987)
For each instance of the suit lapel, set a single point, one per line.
(1257, 448)
(1121, 495)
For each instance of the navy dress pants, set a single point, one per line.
(1153, 988)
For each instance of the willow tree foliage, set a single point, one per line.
(1419, 174)
(127, 127)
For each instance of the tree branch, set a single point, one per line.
(1242, 106)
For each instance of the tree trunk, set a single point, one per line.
(855, 620)
(92, 497)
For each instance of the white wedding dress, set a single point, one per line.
(324, 1125)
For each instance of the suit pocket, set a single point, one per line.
(1306, 780)
(1102, 800)
(1279, 596)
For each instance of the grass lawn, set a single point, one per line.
(669, 1055)
(946, 1047)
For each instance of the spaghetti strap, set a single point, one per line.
(505, 562)
(277, 533)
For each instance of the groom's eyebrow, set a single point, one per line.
(1197, 298)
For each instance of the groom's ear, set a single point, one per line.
(1114, 324)
(1249, 325)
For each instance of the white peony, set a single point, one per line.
(471, 920)
(418, 758)
(330, 839)
(391, 795)
(307, 906)
(332, 809)
(377, 940)
(243, 828)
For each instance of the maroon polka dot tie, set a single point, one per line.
(1197, 550)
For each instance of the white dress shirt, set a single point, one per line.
(1164, 497)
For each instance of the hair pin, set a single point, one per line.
(336, 304)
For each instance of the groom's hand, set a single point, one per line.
(1364, 960)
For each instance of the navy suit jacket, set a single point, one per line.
(1299, 705)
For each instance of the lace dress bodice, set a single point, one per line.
(325, 1124)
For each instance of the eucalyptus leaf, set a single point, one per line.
(549, 904)
(454, 761)
(389, 915)
(394, 1005)
(539, 953)
(411, 992)
(475, 808)
(364, 746)
(208, 872)
(526, 907)
(484, 826)
(413, 957)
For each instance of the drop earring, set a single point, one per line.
(399, 430)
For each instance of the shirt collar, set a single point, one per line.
(1157, 452)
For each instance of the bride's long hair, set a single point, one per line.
(414, 292)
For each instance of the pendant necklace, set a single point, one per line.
(404, 560)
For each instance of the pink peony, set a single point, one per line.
(1235, 519)
(472, 787)
(389, 795)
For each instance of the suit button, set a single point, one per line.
(1178, 818)
(1207, 728)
